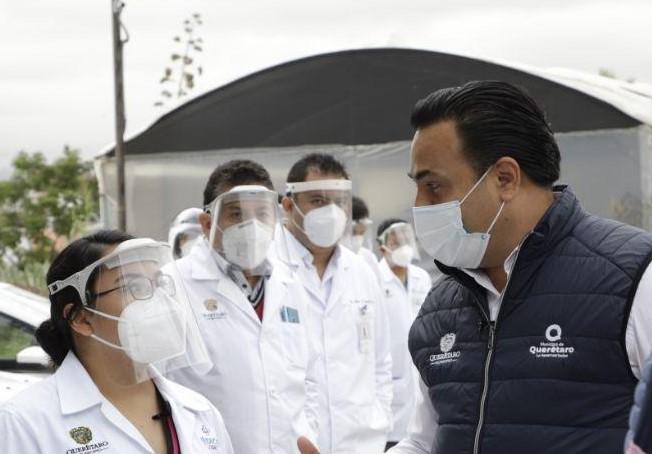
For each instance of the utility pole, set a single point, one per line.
(120, 121)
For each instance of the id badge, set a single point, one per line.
(364, 336)
(364, 330)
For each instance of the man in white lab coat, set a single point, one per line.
(404, 288)
(251, 311)
(361, 234)
(346, 314)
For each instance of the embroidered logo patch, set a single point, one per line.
(446, 344)
(82, 435)
(214, 310)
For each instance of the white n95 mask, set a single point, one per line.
(402, 256)
(441, 233)
(356, 242)
(246, 244)
(325, 226)
(149, 330)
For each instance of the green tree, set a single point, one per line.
(43, 205)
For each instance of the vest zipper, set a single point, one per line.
(485, 387)
(490, 352)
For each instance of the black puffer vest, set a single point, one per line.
(551, 375)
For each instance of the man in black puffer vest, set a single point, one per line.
(534, 341)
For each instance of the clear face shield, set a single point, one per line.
(360, 235)
(243, 222)
(398, 244)
(139, 312)
(322, 210)
(185, 232)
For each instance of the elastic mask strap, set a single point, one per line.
(303, 216)
(102, 314)
(475, 186)
(493, 223)
(106, 342)
(98, 338)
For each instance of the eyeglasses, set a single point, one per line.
(142, 288)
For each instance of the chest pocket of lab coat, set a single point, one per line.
(294, 343)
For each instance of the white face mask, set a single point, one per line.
(324, 226)
(149, 330)
(441, 233)
(402, 256)
(246, 244)
(356, 242)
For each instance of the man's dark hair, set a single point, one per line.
(495, 119)
(359, 209)
(385, 225)
(319, 162)
(235, 173)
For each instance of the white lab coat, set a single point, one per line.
(371, 260)
(354, 361)
(42, 418)
(402, 306)
(260, 379)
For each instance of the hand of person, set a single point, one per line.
(306, 447)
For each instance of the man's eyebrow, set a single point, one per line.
(420, 175)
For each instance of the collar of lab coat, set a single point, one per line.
(202, 264)
(295, 254)
(78, 392)
(298, 255)
(388, 275)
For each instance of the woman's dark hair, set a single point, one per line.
(54, 334)
(495, 119)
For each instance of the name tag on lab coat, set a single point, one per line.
(364, 329)
(364, 336)
(290, 315)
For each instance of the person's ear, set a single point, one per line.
(286, 203)
(205, 222)
(79, 322)
(508, 174)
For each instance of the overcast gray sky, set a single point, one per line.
(56, 81)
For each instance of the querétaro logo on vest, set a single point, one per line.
(553, 348)
(446, 344)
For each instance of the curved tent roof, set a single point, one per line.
(365, 97)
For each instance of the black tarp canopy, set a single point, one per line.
(350, 97)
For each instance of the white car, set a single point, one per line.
(22, 361)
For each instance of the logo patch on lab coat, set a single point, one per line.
(213, 310)
(208, 440)
(81, 435)
(290, 315)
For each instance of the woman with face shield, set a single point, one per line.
(251, 312)
(119, 320)
(184, 232)
(404, 288)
